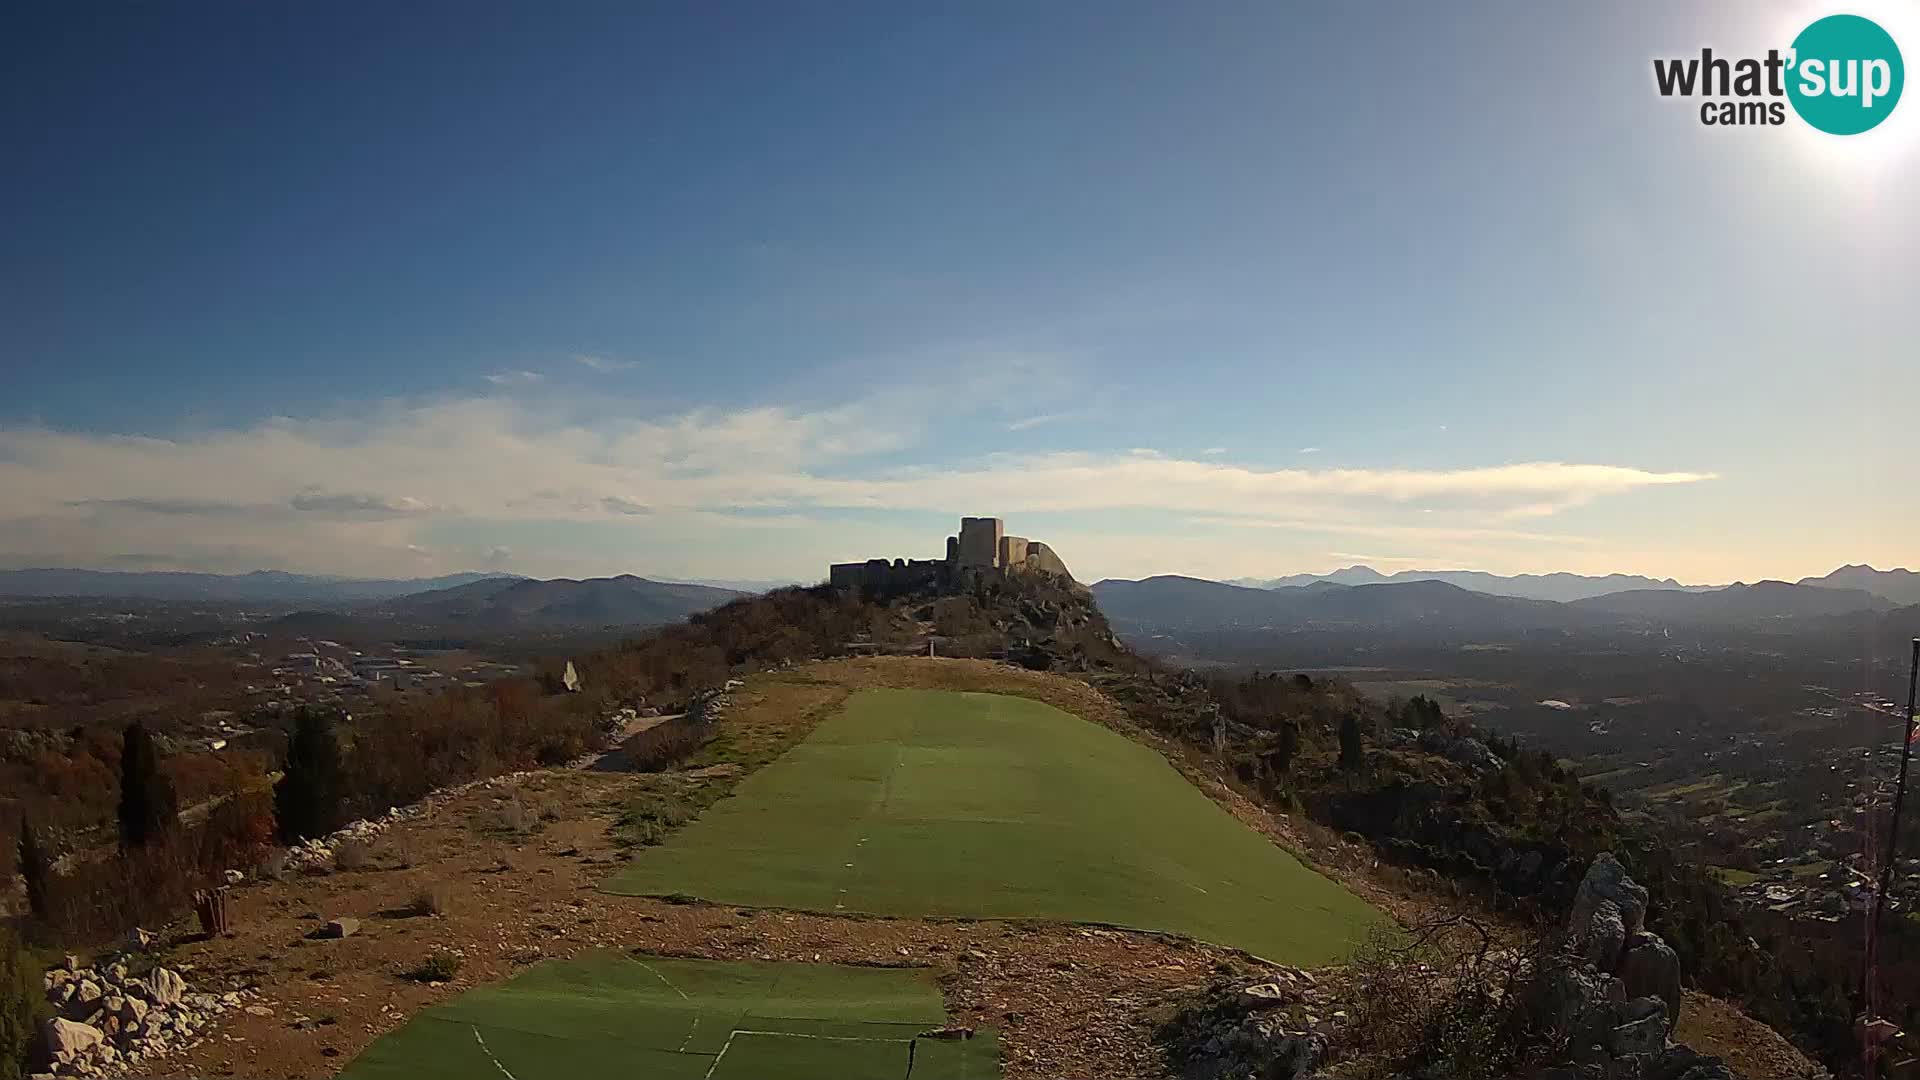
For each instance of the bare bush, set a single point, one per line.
(515, 817)
(351, 854)
(436, 898)
(441, 965)
(1444, 997)
(650, 816)
(666, 744)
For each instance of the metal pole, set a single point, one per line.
(1899, 796)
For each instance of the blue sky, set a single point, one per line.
(736, 290)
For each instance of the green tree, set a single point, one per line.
(1351, 755)
(310, 799)
(1287, 746)
(35, 867)
(149, 809)
(21, 1006)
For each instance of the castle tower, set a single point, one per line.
(980, 542)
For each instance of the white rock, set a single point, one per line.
(165, 987)
(68, 1037)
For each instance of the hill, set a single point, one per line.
(1558, 586)
(1738, 603)
(560, 603)
(258, 587)
(1900, 585)
(1194, 604)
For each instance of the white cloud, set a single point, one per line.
(1030, 422)
(360, 503)
(366, 493)
(514, 378)
(603, 363)
(1309, 449)
(1214, 451)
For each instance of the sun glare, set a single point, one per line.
(1890, 145)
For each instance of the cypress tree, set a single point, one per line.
(35, 867)
(148, 807)
(310, 797)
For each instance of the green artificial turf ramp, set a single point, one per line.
(609, 1014)
(936, 803)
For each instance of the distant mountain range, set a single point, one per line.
(1560, 587)
(1177, 603)
(1425, 606)
(499, 604)
(468, 603)
(259, 587)
(1900, 586)
(1736, 603)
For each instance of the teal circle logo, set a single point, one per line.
(1846, 74)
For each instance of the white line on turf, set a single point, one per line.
(662, 978)
(725, 1046)
(496, 1061)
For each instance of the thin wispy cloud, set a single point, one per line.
(1037, 420)
(603, 363)
(1309, 450)
(1214, 451)
(514, 378)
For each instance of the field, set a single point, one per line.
(968, 805)
(610, 1014)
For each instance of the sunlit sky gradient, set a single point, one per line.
(737, 290)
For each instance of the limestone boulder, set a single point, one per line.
(66, 1038)
(165, 987)
(1604, 938)
(1606, 879)
(1649, 967)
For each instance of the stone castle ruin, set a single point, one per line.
(981, 548)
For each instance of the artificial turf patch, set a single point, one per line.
(939, 803)
(609, 1014)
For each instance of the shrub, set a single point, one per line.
(666, 744)
(441, 965)
(1444, 1000)
(148, 806)
(514, 815)
(351, 854)
(650, 816)
(22, 1006)
(274, 866)
(435, 899)
(310, 798)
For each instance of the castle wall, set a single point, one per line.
(1042, 558)
(1013, 552)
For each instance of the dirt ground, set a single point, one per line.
(1068, 1001)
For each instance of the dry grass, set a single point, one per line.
(351, 854)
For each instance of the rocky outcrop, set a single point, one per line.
(1649, 967)
(109, 1022)
(1611, 992)
(1462, 750)
(1276, 1029)
(1606, 881)
(1433, 825)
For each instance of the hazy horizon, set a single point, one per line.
(1175, 290)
